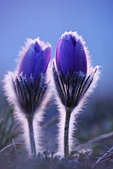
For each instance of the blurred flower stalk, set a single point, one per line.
(26, 87)
(74, 78)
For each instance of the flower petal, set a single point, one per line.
(27, 62)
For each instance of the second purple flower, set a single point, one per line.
(74, 77)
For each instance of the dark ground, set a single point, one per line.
(12, 159)
(96, 120)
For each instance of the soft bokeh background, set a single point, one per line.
(48, 19)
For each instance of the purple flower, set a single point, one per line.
(74, 79)
(35, 59)
(70, 54)
(73, 74)
(29, 82)
(26, 87)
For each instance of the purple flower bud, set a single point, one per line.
(35, 59)
(26, 87)
(30, 82)
(74, 79)
(73, 73)
(71, 54)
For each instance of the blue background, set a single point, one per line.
(49, 19)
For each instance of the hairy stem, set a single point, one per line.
(66, 132)
(31, 135)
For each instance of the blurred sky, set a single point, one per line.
(48, 19)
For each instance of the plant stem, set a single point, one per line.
(66, 132)
(31, 135)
